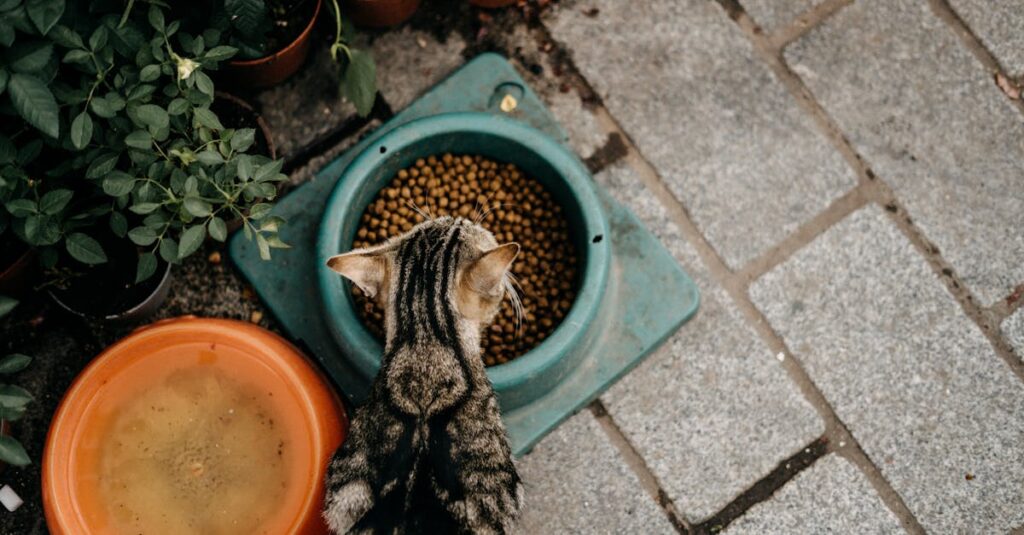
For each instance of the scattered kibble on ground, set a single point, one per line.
(513, 206)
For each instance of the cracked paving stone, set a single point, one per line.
(931, 123)
(913, 378)
(577, 482)
(712, 411)
(732, 144)
(832, 496)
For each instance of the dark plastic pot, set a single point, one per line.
(222, 105)
(143, 308)
(492, 4)
(16, 276)
(271, 70)
(379, 13)
(527, 377)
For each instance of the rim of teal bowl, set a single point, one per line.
(345, 326)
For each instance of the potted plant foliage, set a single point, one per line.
(119, 155)
(13, 399)
(272, 37)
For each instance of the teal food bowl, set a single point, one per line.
(533, 374)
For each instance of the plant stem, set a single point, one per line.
(127, 11)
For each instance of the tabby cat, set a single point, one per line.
(427, 452)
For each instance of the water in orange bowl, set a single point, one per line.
(198, 453)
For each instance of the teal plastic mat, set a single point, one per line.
(648, 295)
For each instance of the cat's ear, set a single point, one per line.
(365, 269)
(487, 273)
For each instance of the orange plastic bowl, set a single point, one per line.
(309, 417)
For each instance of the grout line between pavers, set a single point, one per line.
(736, 287)
(952, 19)
(806, 21)
(765, 487)
(639, 467)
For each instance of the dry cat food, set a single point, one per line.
(513, 207)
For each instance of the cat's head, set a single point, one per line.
(449, 256)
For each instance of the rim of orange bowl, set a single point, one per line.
(64, 517)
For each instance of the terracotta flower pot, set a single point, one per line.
(273, 69)
(210, 421)
(492, 4)
(379, 13)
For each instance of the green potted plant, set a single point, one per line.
(136, 166)
(272, 37)
(13, 399)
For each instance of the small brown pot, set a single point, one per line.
(16, 277)
(273, 69)
(379, 13)
(492, 4)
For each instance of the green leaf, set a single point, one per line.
(152, 116)
(203, 82)
(81, 130)
(77, 56)
(102, 107)
(268, 171)
(7, 150)
(220, 53)
(149, 73)
(14, 397)
(34, 102)
(169, 250)
(55, 201)
(197, 207)
(243, 139)
(142, 236)
(98, 39)
(3, 80)
(12, 452)
(244, 167)
(21, 207)
(177, 106)
(118, 224)
(146, 267)
(44, 13)
(259, 210)
(191, 239)
(156, 18)
(144, 207)
(66, 37)
(118, 183)
(102, 165)
(217, 228)
(6, 33)
(85, 249)
(246, 15)
(139, 139)
(7, 304)
(360, 82)
(30, 57)
(263, 246)
(205, 117)
(210, 157)
(14, 363)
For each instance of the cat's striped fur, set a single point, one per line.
(427, 452)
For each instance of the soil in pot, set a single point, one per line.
(514, 207)
(234, 112)
(289, 19)
(108, 289)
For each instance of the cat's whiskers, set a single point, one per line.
(423, 213)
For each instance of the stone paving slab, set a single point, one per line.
(410, 61)
(928, 119)
(1013, 329)
(305, 106)
(577, 482)
(731, 143)
(773, 15)
(832, 496)
(712, 411)
(912, 377)
(997, 23)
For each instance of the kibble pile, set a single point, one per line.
(514, 208)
